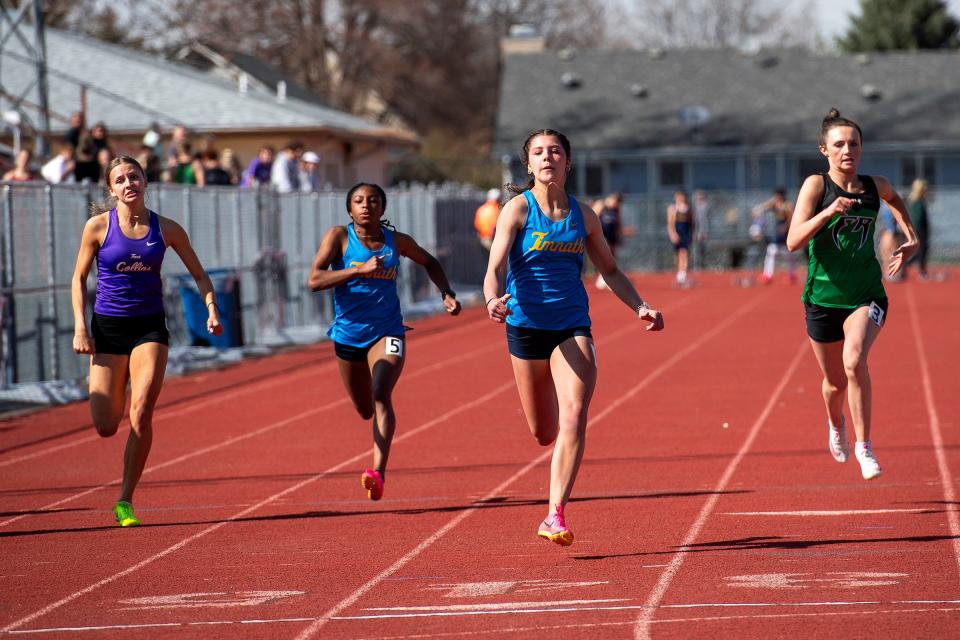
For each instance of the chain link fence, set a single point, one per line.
(266, 241)
(263, 240)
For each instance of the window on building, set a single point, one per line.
(809, 166)
(594, 186)
(714, 174)
(672, 174)
(628, 176)
(913, 168)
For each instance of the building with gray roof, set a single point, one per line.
(648, 122)
(129, 90)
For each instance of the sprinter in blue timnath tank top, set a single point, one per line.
(360, 262)
(542, 234)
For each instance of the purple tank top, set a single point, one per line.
(128, 271)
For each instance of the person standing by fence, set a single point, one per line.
(485, 219)
(127, 338)
(360, 261)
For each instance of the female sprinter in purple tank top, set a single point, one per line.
(542, 234)
(128, 338)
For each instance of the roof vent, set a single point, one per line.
(243, 83)
(637, 90)
(871, 92)
(656, 53)
(523, 31)
(567, 53)
(862, 59)
(694, 116)
(767, 62)
(281, 91)
(570, 80)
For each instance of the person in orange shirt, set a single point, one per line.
(485, 222)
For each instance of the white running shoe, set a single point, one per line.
(869, 466)
(839, 447)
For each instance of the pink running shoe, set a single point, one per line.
(372, 481)
(554, 529)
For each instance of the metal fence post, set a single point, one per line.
(9, 368)
(52, 284)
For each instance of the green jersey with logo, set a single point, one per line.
(843, 270)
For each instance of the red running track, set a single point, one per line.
(707, 505)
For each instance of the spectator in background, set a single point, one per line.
(485, 219)
(702, 207)
(921, 222)
(681, 224)
(310, 172)
(776, 238)
(150, 161)
(104, 157)
(258, 171)
(188, 169)
(77, 129)
(231, 164)
(59, 169)
(178, 137)
(213, 173)
(100, 139)
(285, 172)
(154, 140)
(611, 226)
(86, 168)
(21, 171)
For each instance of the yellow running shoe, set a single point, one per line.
(554, 529)
(123, 511)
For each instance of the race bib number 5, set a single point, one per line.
(876, 314)
(394, 346)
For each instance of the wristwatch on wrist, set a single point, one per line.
(448, 292)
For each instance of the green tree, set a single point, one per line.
(896, 25)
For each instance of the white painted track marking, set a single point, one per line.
(206, 401)
(479, 401)
(808, 514)
(567, 627)
(241, 437)
(607, 410)
(946, 478)
(176, 547)
(642, 627)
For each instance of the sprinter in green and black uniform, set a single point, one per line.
(845, 302)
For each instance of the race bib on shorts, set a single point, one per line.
(394, 346)
(876, 314)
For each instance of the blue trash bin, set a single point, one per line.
(226, 288)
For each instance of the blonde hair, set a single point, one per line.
(918, 190)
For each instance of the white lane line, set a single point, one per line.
(176, 547)
(807, 514)
(235, 439)
(120, 627)
(642, 628)
(206, 401)
(607, 410)
(409, 434)
(946, 478)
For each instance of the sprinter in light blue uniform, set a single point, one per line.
(546, 261)
(367, 308)
(360, 262)
(542, 234)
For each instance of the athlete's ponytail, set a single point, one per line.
(832, 120)
(514, 189)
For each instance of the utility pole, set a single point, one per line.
(22, 33)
